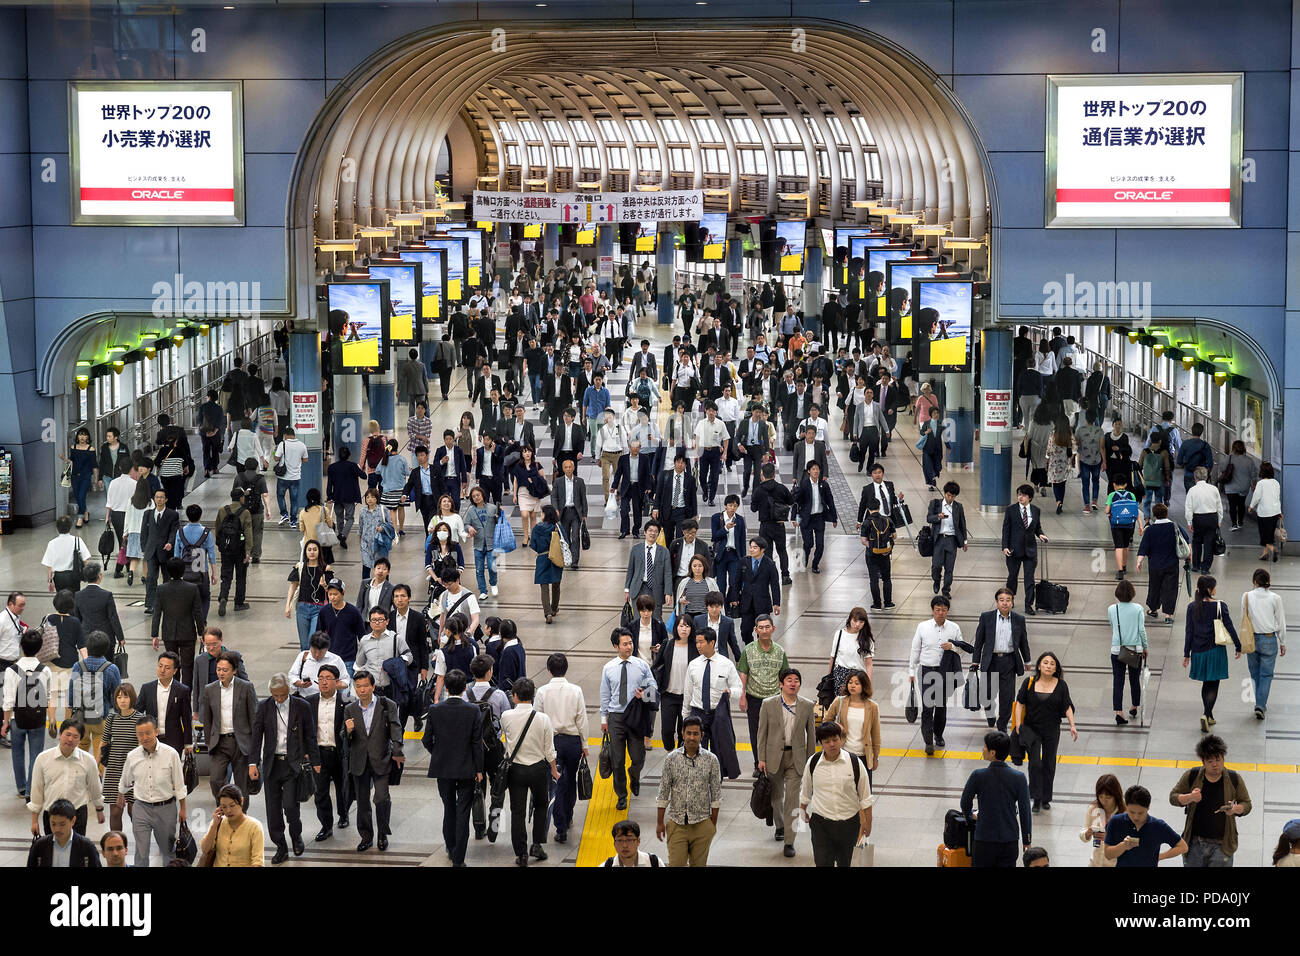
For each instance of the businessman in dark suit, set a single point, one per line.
(675, 498)
(451, 469)
(178, 616)
(1022, 529)
(283, 734)
(729, 644)
(685, 546)
(728, 539)
(814, 505)
(644, 359)
(649, 571)
(95, 605)
(484, 383)
(892, 395)
(374, 745)
(230, 747)
(569, 441)
(516, 433)
(1001, 648)
(82, 853)
(167, 701)
(157, 536)
(808, 449)
(757, 590)
(879, 495)
(490, 467)
(753, 442)
(947, 520)
(423, 486)
(453, 735)
(633, 480)
(569, 498)
(205, 665)
(328, 706)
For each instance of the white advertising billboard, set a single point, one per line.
(1154, 150)
(682, 205)
(156, 153)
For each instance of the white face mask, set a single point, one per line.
(442, 535)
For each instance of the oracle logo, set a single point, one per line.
(1147, 194)
(157, 194)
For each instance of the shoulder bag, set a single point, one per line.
(1128, 656)
(1221, 635)
(509, 761)
(1246, 633)
(584, 783)
(281, 468)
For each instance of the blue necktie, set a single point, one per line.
(707, 686)
(754, 562)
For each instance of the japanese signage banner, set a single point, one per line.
(156, 153)
(997, 410)
(686, 205)
(1154, 150)
(304, 413)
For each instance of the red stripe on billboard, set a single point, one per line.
(155, 194)
(1150, 194)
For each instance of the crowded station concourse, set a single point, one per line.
(707, 501)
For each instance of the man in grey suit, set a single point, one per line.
(374, 744)
(649, 570)
(205, 665)
(809, 449)
(95, 605)
(569, 498)
(412, 381)
(227, 710)
(782, 755)
(283, 734)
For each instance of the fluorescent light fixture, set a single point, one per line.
(883, 211)
(376, 232)
(718, 191)
(648, 187)
(489, 179)
(793, 197)
(406, 219)
(930, 231)
(905, 220)
(866, 203)
(457, 206)
(336, 245)
(431, 214)
(535, 182)
(962, 242)
(589, 184)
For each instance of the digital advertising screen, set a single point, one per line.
(532, 230)
(404, 299)
(857, 250)
(363, 344)
(713, 236)
(457, 265)
(790, 238)
(942, 310)
(586, 237)
(647, 235)
(156, 153)
(433, 280)
(899, 275)
(474, 246)
(875, 261)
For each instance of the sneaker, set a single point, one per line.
(1119, 575)
(1259, 714)
(494, 590)
(284, 519)
(242, 606)
(482, 595)
(889, 604)
(1169, 620)
(1087, 510)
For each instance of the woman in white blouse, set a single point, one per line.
(1266, 506)
(1046, 361)
(1267, 619)
(852, 648)
(1109, 800)
(447, 513)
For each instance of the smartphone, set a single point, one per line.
(1132, 839)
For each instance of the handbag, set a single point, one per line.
(185, 847)
(66, 480)
(566, 552)
(556, 552)
(1221, 635)
(281, 467)
(586, 537)
(106, 542)
(503, 536)
(1246, 633)
(760, 797)
(326, 536)
(971, 692)
(120, 660)
(626, 618)
(911, 712)
(1018, 750)
(304, 780)
(190, 771)
(523, 735)
(49, 642)
(583, 783)
(605, 760)
(1279, 536)
(1126, 655)
(1181, 544)
(1220, 546)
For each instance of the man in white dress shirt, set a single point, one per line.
(835, 798)
(530, 748)
(565, 705)
(708, 678)
(153, 769)
(307, 665)
(120, 491)
(934, 638)
(711, 438)
(1203, 510)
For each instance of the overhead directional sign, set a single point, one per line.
(685, 205)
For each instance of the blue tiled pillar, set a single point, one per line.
(995, 447)
(304, 376)
(665, 278)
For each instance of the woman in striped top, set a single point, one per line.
(119, 740)
(692, 590)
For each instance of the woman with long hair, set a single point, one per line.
(1038, 436)
(1060, 459)
(669, 671)
(852, 648)
(174, 466)
(481, 517)
(83, 468)
(465, 434)
(1202, 652)
(311, 517)
(1043, 700)
(546, 573)
(1128, 629)
(393, 471)
(456, 653)
(1266, 506)
(141, 501)
(693, 589)
(1108, 800)
(1263, 609)
(859, 715)
(369, 520)
(1237, 476)
(446, 513)
(528, 487)
(307, 583)
(442, 550)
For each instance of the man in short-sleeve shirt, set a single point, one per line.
(1150, 833)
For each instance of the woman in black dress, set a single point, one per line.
(1043, 700)
(1117, 456)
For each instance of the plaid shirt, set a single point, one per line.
(690, 787)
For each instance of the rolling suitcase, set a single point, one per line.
(1049, 597)
(947, 856)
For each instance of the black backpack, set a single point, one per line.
(493, 748)
(32, 699)
(230, 535)
(853, 759)
(958, 834)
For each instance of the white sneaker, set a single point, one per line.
(494, 590)
(482, 595)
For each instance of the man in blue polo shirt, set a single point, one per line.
(1134, 838)
(1003, 793)
(594, 402)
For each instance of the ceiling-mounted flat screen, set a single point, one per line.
(943, 310)
(404, 299)
(359, 309)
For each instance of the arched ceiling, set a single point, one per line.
(838, 114)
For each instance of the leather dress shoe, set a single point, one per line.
(779, 835)
(789, 850)
(281, 854)
(298, 848)
(363, 846)
(622, 803)
(343, 823)
(324, 835)
(537, 852)
(635, 787)
(521, 860)
(382, 843)
(561, 836)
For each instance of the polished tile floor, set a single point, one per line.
(913, 791)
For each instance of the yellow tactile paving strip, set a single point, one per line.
(597, 845)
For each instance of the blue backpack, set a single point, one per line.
(1123, 511)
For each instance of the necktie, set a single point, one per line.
(706, 687)
(622, 685)
(649, 563)
(884, 499)
(677, 492)
(754, 563)
(1024, 516)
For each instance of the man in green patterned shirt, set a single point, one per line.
(760, 666)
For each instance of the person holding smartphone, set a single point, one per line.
(1134, 837)
(1212, 797)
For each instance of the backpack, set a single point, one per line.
(89, 698)
(879, 534)
(853, 758)
(493, 748)
(1123, 511)
(195, 555)
(654, 861)
(32, 699)
(230, 534)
